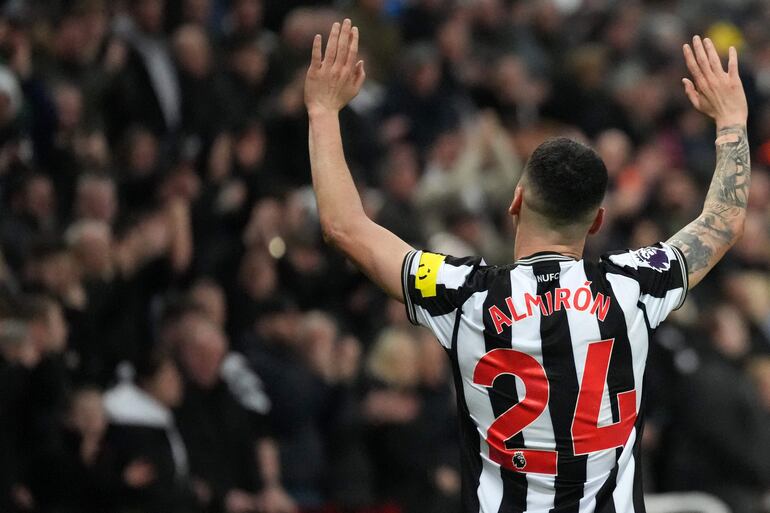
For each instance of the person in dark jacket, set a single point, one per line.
(149, 455)
(18, 359)
(232, 458)
(68, 476)
(146, 91)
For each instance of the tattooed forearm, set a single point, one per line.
(707, 239)
(732, 175)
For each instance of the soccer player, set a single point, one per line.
(548, 352)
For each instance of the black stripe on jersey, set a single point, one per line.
(559, 363)
(604, 501)
(471, 465)
(641, 306)
(620, 375)
(503, 395)
(460, 261)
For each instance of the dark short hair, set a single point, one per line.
(567, 181)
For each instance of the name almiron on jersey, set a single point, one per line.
(582, 299)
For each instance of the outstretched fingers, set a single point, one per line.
(702, 58)
(713, 56)
(360, 74)
(344, 44)
(693, 67)
(316, 59)
(332, 44)
(353, 51)
(732, 62)
(691, 92)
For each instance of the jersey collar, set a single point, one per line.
(544, 256)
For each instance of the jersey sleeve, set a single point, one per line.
(435, 286)
(661, 271)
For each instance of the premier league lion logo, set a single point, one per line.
(519, 461)
(652, 257)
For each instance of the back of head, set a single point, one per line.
(565, 183)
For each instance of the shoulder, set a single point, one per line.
(655, 260)
(659, 271)
(435, 284)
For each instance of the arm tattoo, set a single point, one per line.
(730, 184)
(706, 239)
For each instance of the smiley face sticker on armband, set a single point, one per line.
(427, 273)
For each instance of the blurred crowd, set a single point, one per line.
(175, 336)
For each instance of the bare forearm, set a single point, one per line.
(333, 79)
(338, 200)
(707, 239)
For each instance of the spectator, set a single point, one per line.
(400, 177)
(146, 91)
(235, 468)
(202, 89)
(295, 379)
(401, 435)
(19, 358)
(148, 454)
(50, 379)
(96, 198)
(421, 106)
(468, 171)
(32, 217)
(70, 475)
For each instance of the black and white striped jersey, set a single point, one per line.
(549, 357)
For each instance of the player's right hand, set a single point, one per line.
(712, 90)
(336, 78)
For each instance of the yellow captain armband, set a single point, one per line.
(427, 273)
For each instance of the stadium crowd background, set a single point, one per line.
(155, 208)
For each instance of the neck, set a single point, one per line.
(531, 239)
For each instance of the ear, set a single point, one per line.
(598, 220)
(518, 197)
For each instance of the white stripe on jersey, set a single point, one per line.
(539, 434)
(626, 292)
(623, 495)
(470, 349)
(454, 276)
(655, 305)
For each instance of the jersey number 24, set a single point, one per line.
(587, 435)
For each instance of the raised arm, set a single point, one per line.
(720, 95)
(332, 81)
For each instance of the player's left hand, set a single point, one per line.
(713, 91)
(336, 77)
